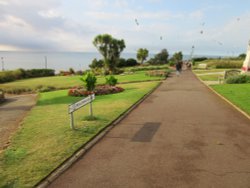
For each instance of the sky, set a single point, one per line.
(211, 27)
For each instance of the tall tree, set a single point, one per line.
(110, 48)
(162, 57)
(142, 54)
(177, 57)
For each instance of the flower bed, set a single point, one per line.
(99, 90)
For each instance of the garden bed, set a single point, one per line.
(99, 90)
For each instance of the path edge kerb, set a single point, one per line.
(87, 146)
(223, 98)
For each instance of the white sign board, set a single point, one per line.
(81, 103)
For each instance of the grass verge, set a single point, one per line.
(212, 77)
(236, 93)
(46, 140)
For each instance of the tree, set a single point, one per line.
(162, 57)
(177, 57)
(110, 48)
(242, 56)
(142, 55)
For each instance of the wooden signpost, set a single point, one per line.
(79, 104)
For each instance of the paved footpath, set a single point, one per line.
(183, 135)
(12, 113)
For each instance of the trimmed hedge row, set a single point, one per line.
(8, 76)
(239, 79)
(226, 64)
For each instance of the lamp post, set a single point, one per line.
(45, 58)
(2, 63)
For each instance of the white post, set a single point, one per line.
(72, 121)
(90, 106)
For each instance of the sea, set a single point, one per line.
(52, 60)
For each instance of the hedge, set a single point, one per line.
(8, 76)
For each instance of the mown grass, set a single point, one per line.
(46, 140)
(239, 94)
(208, 71)
(63, 82)
(212, 77)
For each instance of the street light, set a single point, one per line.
(45, 58)
(2, 63)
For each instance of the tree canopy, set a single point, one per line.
(142, 55)
(177, 57)
(110, 48)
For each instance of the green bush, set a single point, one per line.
(17, 91)
(111, 80)
(126, 63)
(239, 79)
(198, 59)
(89, 81)
(147, 68)
(8, 76)
(46, 89)
(225, 64)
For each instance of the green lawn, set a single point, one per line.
(45, 139)
(212, 77)
(239, 94)
(208, 71)
(63, 82)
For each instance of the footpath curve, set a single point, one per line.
(182, 135)
(12, 112)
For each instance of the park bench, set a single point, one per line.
(227, 74)
(202, 66)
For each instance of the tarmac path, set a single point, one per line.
(182, 135)
(12, 112)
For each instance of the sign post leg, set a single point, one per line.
(90, 106)
(72, 121)
(90, 109)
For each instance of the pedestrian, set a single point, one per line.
(178, 67)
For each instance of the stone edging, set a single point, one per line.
(85, 148)
(223, 98)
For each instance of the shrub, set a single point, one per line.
(17, 91)
(131, 62)
(126, 63)
(71, 71)
(160, 73)
(111, 80)
(147, 68)
(8, 76)
(121, 62)
(226, 64)
(198, 59)
(89, 81)
(46, 89)
(96, 64)
(239, 79)
(79, 72)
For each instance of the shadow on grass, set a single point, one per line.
(58, 100)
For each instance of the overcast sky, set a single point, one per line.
(213, 27)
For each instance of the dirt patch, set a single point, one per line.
(12, 112)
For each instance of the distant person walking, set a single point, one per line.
(178, 67)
